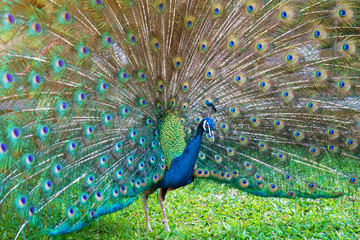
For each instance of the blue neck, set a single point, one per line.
(182, 167)
(194, 145)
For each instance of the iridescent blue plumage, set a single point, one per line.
(181, 169)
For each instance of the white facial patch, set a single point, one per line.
(205, 125)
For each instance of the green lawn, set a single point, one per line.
(210, 211)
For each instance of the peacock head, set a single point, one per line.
(208, 126)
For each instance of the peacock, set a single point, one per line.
(104, 102)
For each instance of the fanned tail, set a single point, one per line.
(86, 84)
(283, 76)
(78, 133)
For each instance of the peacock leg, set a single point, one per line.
(161, 196)
(144, 198)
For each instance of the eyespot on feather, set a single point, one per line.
(351, 143)
(264, 85)
(312, 106)
(291, 194)
(255, 121)
(206, 173)
(210, 73)
(99, 196)
(203, 46)
(66, 16)
(21, 201)
(314, 151)
(230, 151)
(312, 186)
(287, 95)
(36, 28)
(343, 13)
(178, 62)
(263, 146)
(333, 133)
(258, 177)
(353, 180)
(9, 19)
(261, 46)
(217, 10)
(155, 44)
(333, 148)
(244, 183)
(160, 86)
(248, 166)
(235, 173)
(199, 172)
(240, 79)
(281, 156)
(232, 43)
(299, 135)
(234, 111)
(286, 14)
(189, 22)
(319, 33)
(273, 187)
(243, 140)
(288, 177)
(228, 176)
(132, 38)
(108, 40)
(251, 7)
(279, 124)
(343, 86)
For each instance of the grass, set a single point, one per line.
(210, 211)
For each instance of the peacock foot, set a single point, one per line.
(148, 228)
(166, 225)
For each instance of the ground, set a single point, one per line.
(208, 211)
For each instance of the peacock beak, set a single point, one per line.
(211, 134)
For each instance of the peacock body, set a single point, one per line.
(103, 101)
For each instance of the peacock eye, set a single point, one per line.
(3, 148)
(342, 12)
(36, 79)
(84, 50)
(81, 96)
(9, 19)
(132, 38)
(8, 78)
(108, 40)
(44, 131)
(36, 27)
(59, 63)
(15, 133)
(66, 16)
(317, 33)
